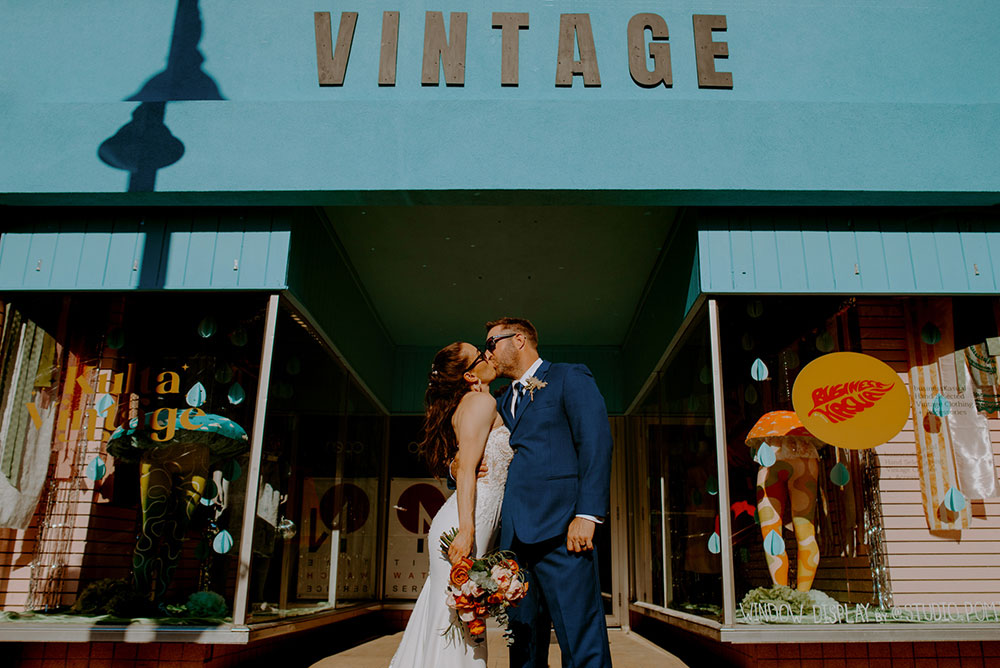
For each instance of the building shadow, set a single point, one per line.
(145, 144)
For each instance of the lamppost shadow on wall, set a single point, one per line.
(145, 144)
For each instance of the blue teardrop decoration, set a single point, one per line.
(714, 543)
(196, 395)
(696, 497)
(750, 395)
(839, 475)
(224, 374)
(705, 376)
(211, 490)
(747, 342)
(930, 334)
(239, 337)
(755, 308)
(758, 370)
(223, 542)
(95, 469)
(712, 486)
(293, 366)
(954, 500)
(825, 342)
(774, 544)
(206, 502)
(206, 328)
(940, 406)
(116, 339)
(103, 404)
(765, 455)
(236, 394)
(231, 470)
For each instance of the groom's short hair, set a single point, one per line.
(519, 325)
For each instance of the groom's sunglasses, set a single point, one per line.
(491, 343)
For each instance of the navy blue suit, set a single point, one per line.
(561, 468)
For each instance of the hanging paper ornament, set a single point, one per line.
(285, 390)
(744, 555)
(205, 501)
(791, 359)
(116, 338)
(231, 470)
(839, 475)
(747, 342)
(712, 486)
(940, 406)
(954, 500)
(223, 542)
(95, 469)
(211, 490)
(224, 374)
(104, 402)
(758, 370)
(765, 455)
(196, 395)
(825, 342)
(755, 308)
(696, 497)
(693, 402)
(705, 375)
(206, 328)
(930, 334)
(774, 544)
(714, 543)
(238, 337)
(750, 394)
(236, 394)
(203, 550)
(293, 366)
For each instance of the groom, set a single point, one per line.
(558, 490)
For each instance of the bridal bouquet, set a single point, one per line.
(481, 588)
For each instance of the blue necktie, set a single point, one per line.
(518, 395)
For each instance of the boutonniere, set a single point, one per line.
(531, 384)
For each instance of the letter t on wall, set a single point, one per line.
(510, 23)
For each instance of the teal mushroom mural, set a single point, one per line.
(174, 455)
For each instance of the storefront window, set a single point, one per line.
(861, 441)
(123, 419)
(677, 546)
(316, 527)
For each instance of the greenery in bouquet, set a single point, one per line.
(482, 588)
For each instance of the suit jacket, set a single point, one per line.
(562, 461)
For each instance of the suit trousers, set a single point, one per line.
(564, 592)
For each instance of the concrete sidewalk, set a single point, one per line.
(627, 650)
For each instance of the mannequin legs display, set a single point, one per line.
(794, 479)
(171, 481)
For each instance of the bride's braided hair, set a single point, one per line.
(445, 388)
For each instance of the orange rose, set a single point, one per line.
(481, 610)
(494, 598)
(512, 566)
(460, 572)
(477, 626)
(463, 602)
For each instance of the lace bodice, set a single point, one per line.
(489, 488)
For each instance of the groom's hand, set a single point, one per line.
(580, 535)
(483, 469)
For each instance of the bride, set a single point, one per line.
(461, 423)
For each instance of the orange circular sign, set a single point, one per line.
(851, 400)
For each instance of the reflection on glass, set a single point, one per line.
(114, 440)
(316, 529)
(677, 554)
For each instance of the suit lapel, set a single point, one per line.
(524, 404)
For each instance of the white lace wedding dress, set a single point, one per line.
(423, 644)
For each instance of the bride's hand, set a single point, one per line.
(460, 547)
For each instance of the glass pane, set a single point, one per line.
(679, 542)
(870, 500)
(122, 420)
(315, 529)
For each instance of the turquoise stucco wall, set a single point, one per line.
(860, 101)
